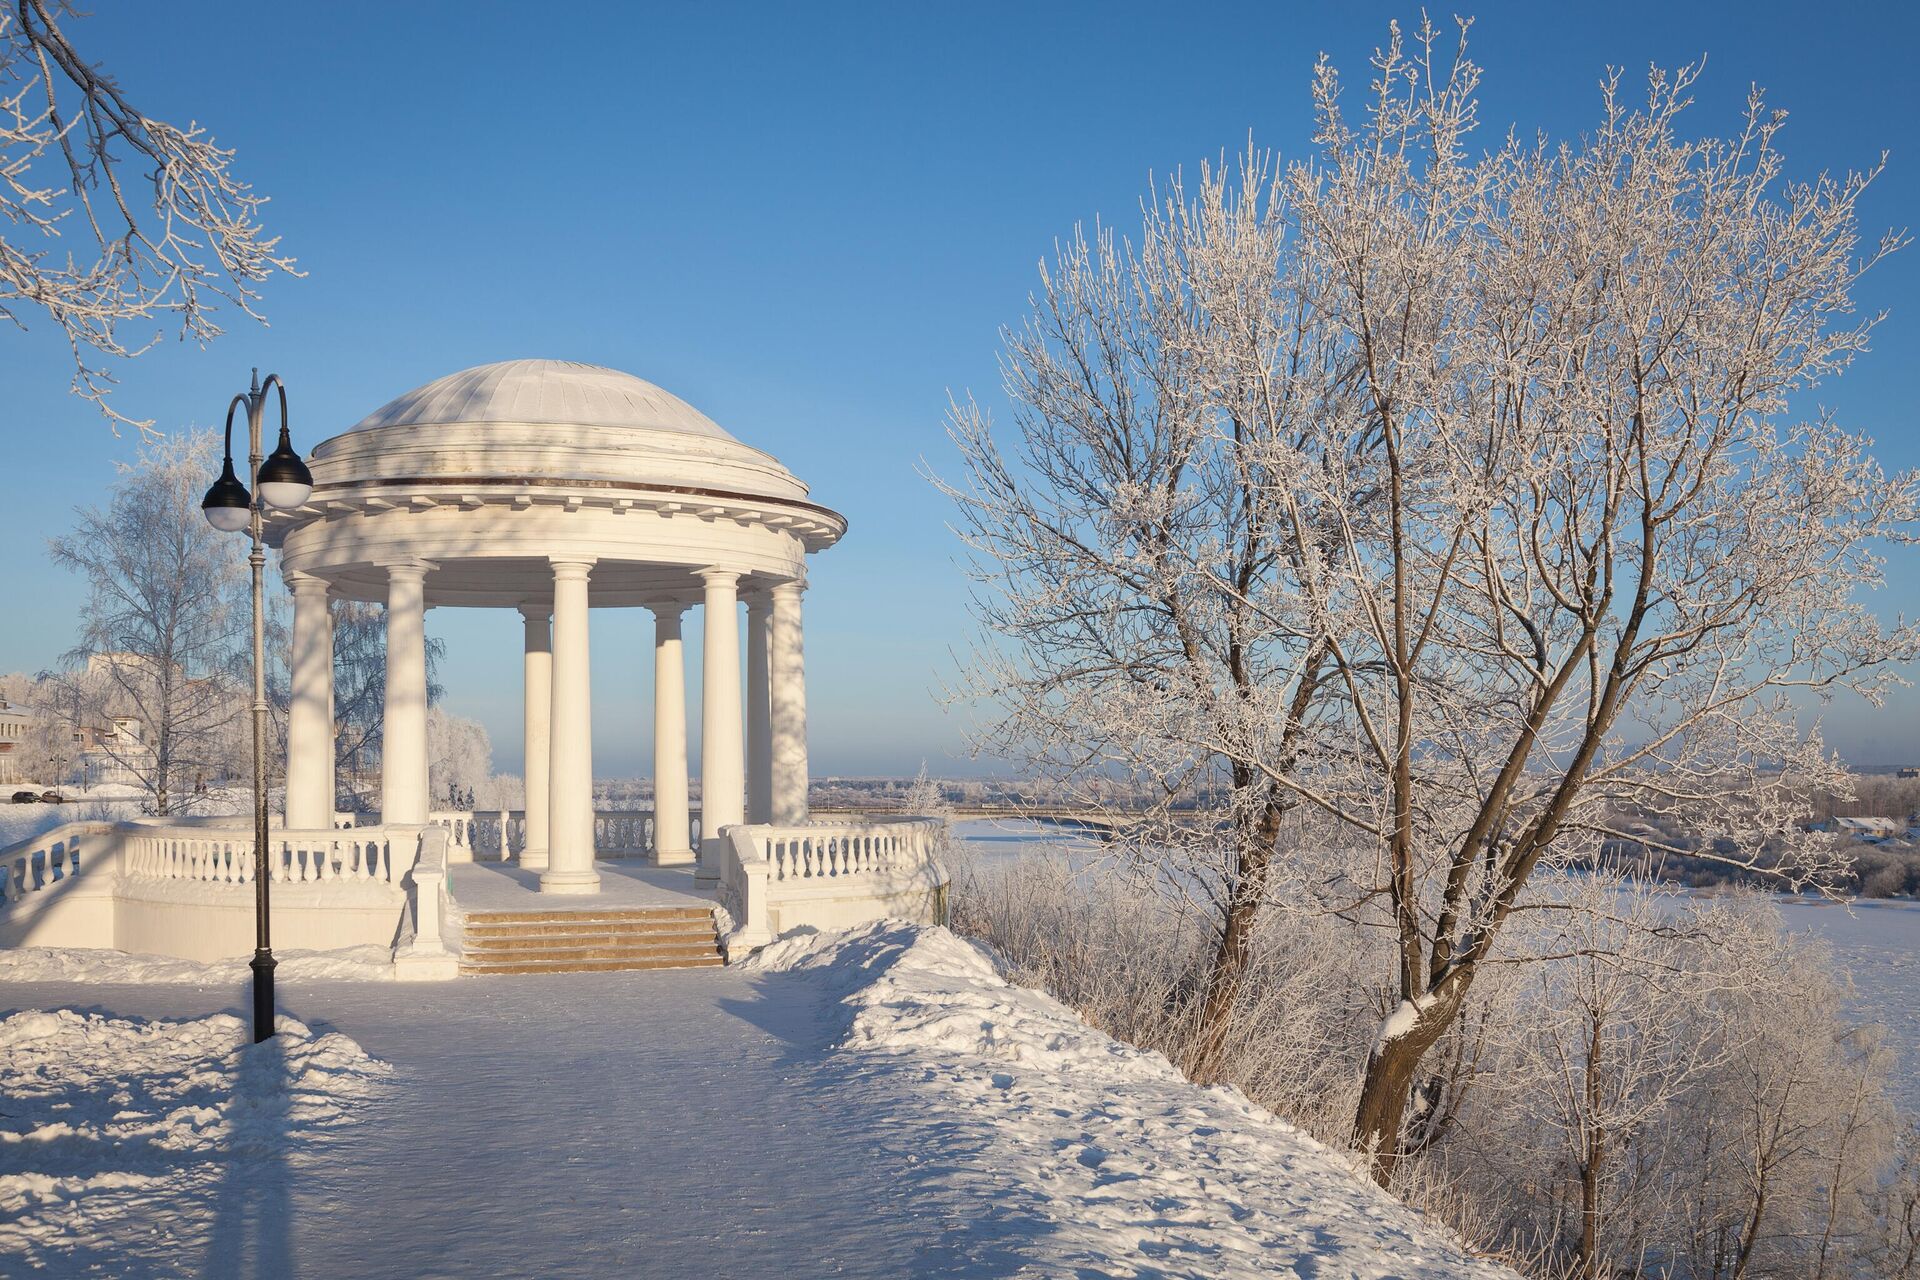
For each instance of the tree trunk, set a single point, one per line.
(1380, 1119)
(1235, 951)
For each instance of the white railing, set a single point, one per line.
(44, 860)
(458, 824)
(764, 866)
(225, 856)
(421, 954)
(617, 833)
(817, 851)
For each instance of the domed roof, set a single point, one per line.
(555, 392)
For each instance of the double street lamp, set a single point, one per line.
(280, 481)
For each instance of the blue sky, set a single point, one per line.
(810, 221)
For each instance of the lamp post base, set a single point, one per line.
(263, 965)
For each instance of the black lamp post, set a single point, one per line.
(280, 481)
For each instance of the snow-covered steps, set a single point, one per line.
(589, 941)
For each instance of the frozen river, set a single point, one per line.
(1876, 941)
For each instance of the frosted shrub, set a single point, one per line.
(1133, 958)
(1669, 1088)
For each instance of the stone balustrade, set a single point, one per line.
(497, 834)
(459, 826)
(819, 850)
(297, 857)
(186, 887)
(830, 875)
(38, 863)
(421, 954)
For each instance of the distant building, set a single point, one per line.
(16, 722)
(1870, 830)
(115, 754)
(1907, 771)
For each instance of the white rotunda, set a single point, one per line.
(551, 487)
(546, 487)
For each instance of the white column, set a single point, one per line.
(403, 745)
(570, 773)
(331, 789)
(671, 828)
(759, 712)
(310, 707)
(537, 725)
(722, 780)
(787, 664)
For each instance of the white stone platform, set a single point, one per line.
(505, 886)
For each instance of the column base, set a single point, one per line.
(533, 860)
(673, 857)
(570, 882)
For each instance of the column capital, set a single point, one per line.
(572, 568)
(536, 610)
(718, 577)
(789, 589)
(667, 610)
(410, 569)
(760, 603)
(301, 583)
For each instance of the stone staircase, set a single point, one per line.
(589, 941)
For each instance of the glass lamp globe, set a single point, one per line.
(227, 505)
(285, 481)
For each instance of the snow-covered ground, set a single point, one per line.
(87, 965)
(24, 821)
(109, 802)
(1135, 1170)
(127, 1143)
(871, 1104)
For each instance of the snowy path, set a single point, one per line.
(878, 1103)
(670, 1125)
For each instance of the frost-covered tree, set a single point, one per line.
(459, 759)
(165, 619)
(1536, 535)
(114, 221)
(1138, 586)
(1586, 552)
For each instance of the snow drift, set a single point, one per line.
(132, 1135)
(1133, 1169)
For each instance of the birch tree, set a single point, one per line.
(118, 225)
(165, 620)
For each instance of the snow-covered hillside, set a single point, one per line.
(1139, 1171)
